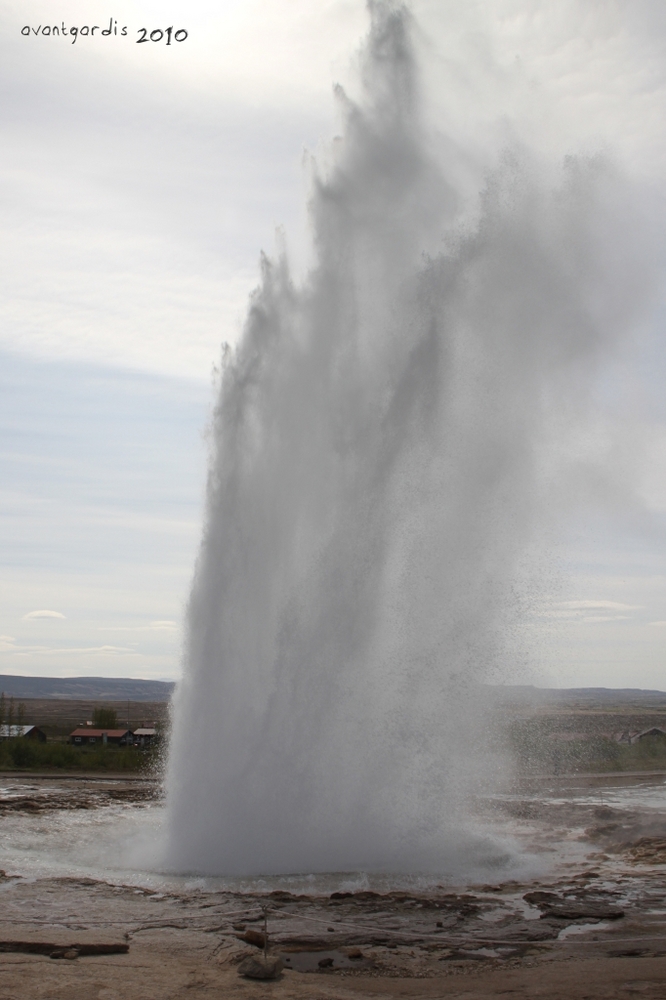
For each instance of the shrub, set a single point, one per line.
(105, 718)
(23, 753)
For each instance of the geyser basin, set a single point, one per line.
(377, 472)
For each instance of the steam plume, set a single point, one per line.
(375, 477)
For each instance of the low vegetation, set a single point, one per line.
(24, 754)
(559, 738)
(105, 718)
(541, 754)
(10, 714)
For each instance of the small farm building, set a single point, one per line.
(634, 737)
(27, 732)
(647, 733)
(88, 735)
(144, 736)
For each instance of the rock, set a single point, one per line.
(254, 937)
(583, 911)
(542, 933)
(325, 963)
(559, 908)
(46, 939)
(254, 967)
(540, 898)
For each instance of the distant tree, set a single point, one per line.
(3, 708)
(21, 714)
(105, 718)
(10, 716)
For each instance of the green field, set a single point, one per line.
(24, 754)
(535, 754)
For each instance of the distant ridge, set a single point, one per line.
(609, 696)
(86, 688)
(124, 688)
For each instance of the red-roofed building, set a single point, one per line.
(88, 735)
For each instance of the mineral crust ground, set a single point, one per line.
(593, 928)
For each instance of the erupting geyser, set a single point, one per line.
(375, 477)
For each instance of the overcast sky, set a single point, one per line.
(139, 184)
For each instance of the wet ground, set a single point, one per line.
(586, 918)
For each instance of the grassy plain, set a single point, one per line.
(546, 732)
(573, 732)
(57, 717)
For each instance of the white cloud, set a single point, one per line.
(575, 611)
(141, 252)
(32, 615)
(598, 605)
(123, 650)
(606, 618)
(158, 626)
(659, 624)
(10, 646)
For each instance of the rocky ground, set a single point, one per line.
(595, 928)
(35, 793)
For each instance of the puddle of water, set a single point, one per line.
(124, 841)
(575, 929)
(315, 961)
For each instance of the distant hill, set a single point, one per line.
(600, 694)
(599, 697)
(86, 688)
(124, 688)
